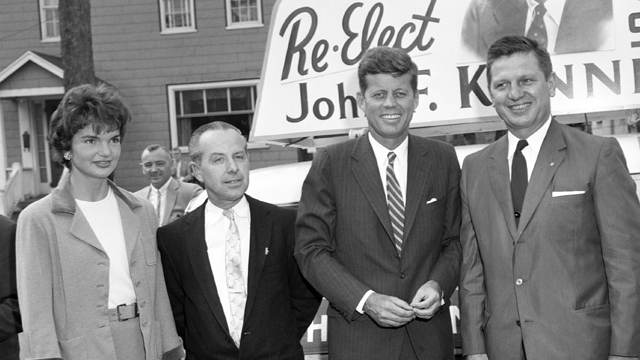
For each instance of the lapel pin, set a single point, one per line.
(266, 251)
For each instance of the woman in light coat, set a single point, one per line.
(90, 281)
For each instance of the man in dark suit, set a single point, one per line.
(235, 288)
(10, 321)
(571, 26)
(169, 196)
(550, 229)
(387, 269)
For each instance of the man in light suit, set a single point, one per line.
(10, 320)
(550, 229)
(181, 170)
(572, 26)
(388, 276)
(265, 310)
(168, 195)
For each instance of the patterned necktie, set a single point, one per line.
(519, 179)
(235, 281)
(537, 30)
(395, 203)
(158, 207)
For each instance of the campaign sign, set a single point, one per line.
(309, 77)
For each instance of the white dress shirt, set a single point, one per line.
(216, 227)
(551, 18)
(532, 150)
(104, 218)
(153, 198)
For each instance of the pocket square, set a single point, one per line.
(432, 201)
(565, 193)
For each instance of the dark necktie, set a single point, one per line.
(395, 203)
(537, 30)
(519, 179)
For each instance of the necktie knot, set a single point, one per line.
(228, 214)
(521, 145)
(391, 156)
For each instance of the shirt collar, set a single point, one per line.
(241, 209)
(534, 141)
(381, 152)
(554, 8)
(163, 188)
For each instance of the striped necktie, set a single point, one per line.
(395, 203)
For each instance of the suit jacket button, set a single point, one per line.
(519, 282)
(402, 276)
(516, 214)
(518, 322)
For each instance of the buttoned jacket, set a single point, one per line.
(565, 281)
(63, 280)
(345, 247)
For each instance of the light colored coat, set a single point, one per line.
(63, 280)
(179, 194)
(566, 281)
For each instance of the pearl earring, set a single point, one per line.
(67, 156)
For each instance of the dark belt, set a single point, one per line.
(124, 312)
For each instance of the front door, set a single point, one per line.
(48, 171)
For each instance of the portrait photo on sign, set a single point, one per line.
(563, 26)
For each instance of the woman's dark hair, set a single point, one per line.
(97, 105)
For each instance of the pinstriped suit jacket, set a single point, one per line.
(344, 244)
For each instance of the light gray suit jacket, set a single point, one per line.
(179, 194)
(566, 281)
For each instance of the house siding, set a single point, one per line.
(132, 54)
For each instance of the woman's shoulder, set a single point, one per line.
(39, 207)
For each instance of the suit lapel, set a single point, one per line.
(511, 17)
(199, 258)
(499, 179)
(549, 159)
(365, 170)
(172, 195)
(81, 229)
(261, 225)
(418, 166)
